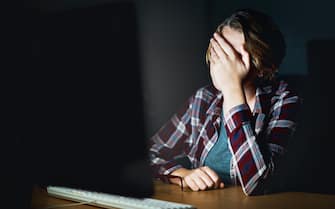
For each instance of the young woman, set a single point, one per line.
(236, 130)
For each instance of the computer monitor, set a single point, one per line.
(81, 121)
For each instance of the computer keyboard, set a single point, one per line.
(112, 201)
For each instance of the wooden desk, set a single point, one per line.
(231, 197)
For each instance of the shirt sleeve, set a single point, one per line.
(253, 164)
(168, 144)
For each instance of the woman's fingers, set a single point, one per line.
(202, 178)
(197, 177)
(214, 177)
(195, 182)
(224, 45)
(218, 50)
(245, 58)
(205, 178)
(191, 183)
(222, 48)
(214, 57)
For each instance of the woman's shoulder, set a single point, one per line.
(279, 89)
(283, 88)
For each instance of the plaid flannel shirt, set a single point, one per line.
(257, 139)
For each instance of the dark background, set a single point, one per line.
(171, 38)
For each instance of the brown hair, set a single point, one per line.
(263, 40)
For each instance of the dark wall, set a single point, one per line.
(173, 41)
(308, 163)
(300, 21)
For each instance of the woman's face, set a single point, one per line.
(236, 40)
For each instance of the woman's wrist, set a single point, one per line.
(233, 96)
(231, 88)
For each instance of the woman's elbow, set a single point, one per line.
(255, 190)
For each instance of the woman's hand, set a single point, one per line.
(202, 178)
(228, 67)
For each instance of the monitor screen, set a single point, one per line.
(82, 111)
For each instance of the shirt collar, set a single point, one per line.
(263, 99)
(216, 105)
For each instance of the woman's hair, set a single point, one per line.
(263, 40)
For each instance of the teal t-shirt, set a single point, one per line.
(218, 158)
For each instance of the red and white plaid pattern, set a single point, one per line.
(256, 139)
